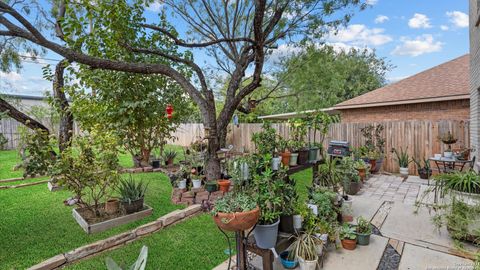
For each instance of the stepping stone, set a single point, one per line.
(418, 258)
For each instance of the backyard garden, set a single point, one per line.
(109, 177)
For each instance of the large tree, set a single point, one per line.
(321, 76)
(237, 34)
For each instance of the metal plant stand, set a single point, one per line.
(240, 247)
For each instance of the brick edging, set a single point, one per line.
(25, 184)
(69, 257)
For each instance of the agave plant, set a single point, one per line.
(169, 154)
(402, 157)
(131, 190)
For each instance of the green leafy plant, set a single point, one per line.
(374, 140)
(360, 164)
(38, 155)
(328, 174)
(139, 264)
(347, 232)
(363, 226)
(131, 190)
(289, 194)
(267, 188)
(3, 141)
(169, 155)
(460, 181)
(266, 140)
(304, 246)
(234, 202)
(402, 157)
(298, 132)
(89, 169)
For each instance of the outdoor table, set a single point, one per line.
(446, 165)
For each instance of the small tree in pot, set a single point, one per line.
(267, 189)
(304, 249)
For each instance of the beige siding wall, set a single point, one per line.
(474, 76)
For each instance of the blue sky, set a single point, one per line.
(413, 35)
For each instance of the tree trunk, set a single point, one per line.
(21, 117)
(65, 132)
(145, 158)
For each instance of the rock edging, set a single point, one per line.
(119, 239)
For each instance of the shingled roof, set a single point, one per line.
(448, 81)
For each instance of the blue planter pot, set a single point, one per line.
(285, 262)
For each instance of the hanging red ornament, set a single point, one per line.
(169, 111)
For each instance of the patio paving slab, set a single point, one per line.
(418, 258)
(362, 258)
(418, 229)
(365, 207)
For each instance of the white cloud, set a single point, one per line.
(459, 19)
(381, 19)
(444, 27)
(11, 76)
(420, 45)
(155, 6)
(360, 35)
(284, 50)
(371, 2)
(419, 21)
(396, 79)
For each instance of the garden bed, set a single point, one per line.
(93, 225)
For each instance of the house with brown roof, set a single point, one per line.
(439, 93)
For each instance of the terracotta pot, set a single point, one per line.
(112, 206)
(349, 244)
(362, 173)
(286, 158)
(373, 164)
(347, 218)
(224, 185)
(238, 221)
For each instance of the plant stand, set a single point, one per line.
(241, 248)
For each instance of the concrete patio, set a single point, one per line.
(406, 241)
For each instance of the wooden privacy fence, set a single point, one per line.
(420, 138)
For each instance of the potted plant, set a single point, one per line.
(361, 167)
(169, 156)
(236, 212)
(132, 194)
(403, 160)
(351, 178)
(155, 161)
(298, 132)
(347, 210)
(304, 250)
(211, 186)
(374, 145)
(321, 122)
(284, 152)
(196, 181)
(288, 261)
(324, 200)
(289, 202)
(294, 147)
(448, 139)
(423, 171)
(348, 237)
(363, 231)
(300, 210)
(224, 185)
(268, 193)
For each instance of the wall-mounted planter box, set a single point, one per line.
(111, 223)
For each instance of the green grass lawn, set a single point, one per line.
(8, 160)
(35, 225)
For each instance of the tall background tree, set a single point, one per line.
(237, 34)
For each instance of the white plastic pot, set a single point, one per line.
(307, 265)
(197, 183)
(404, 171)
(314, 208)
(182, 184)
(293, 159)
(297, 222)
(276, 163)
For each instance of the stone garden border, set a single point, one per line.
(112, 242)
(25, 184)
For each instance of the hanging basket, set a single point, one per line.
(238, 221)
